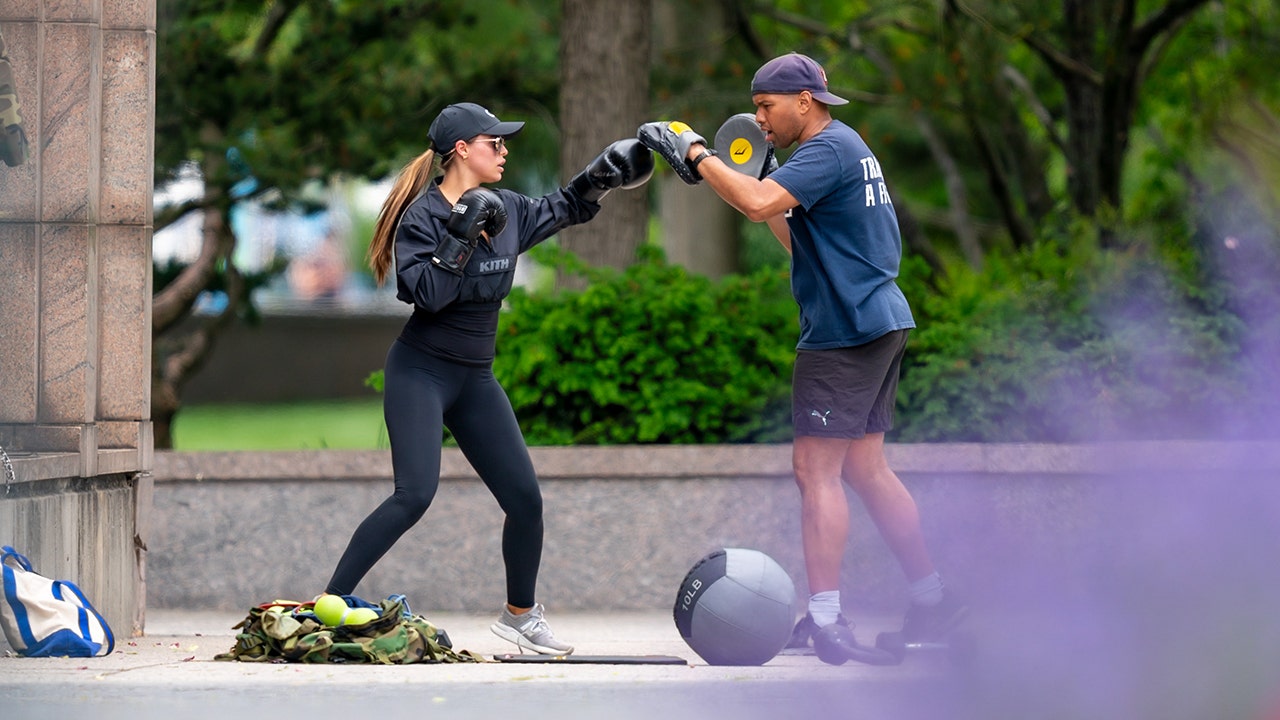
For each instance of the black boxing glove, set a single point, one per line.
(626, 164)
(634, 160)
(478, 210)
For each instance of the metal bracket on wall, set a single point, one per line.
(9, 476)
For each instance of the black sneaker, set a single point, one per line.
(930, 623)
(803, 632)
(834, 644)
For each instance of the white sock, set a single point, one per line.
(927, 591)
(824, 607)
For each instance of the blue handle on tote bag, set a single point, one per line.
(48, 618)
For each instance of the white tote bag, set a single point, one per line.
(48, 618)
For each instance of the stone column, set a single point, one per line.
(75, 292)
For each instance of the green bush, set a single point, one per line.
(1046, 345)
(651, 354)
(1042, 345)
(984, 343)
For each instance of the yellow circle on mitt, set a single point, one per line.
(740, 150)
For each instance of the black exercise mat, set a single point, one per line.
(594, 659)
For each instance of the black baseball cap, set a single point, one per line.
(463, 121)
(791, 74)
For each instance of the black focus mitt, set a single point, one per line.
(672, 141)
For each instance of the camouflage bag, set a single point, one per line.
(13, 142)
(286, 631)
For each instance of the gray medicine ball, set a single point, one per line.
(736, 607)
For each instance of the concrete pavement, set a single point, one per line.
(171, 673)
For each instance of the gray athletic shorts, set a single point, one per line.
(847, 392)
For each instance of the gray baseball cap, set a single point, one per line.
(791, 74)
(463, 121)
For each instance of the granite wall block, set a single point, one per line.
(20, 10)
(128, 127)
(129, 14)
(71, 11)
(124, 320)
(68, 323)
(71, 102)
(18, 313)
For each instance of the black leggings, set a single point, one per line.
(423, 393)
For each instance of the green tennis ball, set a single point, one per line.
(360, 616)
(331, 609)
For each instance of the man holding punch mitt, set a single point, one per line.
(830, 208)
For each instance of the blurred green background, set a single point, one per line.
(313, 425)
(1089, 197)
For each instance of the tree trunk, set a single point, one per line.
(1026, 155)
(699, 230)
(1106, 41)
(174, 302)
(1083, 106)
(1122, 84)
(178, 354)
(916, 241)
(957, 196)
(604, 96)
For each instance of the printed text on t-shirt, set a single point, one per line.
(877, 193)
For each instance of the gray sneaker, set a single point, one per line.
(529, 631)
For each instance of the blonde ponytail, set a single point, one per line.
(409, 183)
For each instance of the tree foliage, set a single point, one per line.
(265, 97)
(1088, 190)
(304, 89)
(993, 116)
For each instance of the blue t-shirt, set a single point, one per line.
(845, 246)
